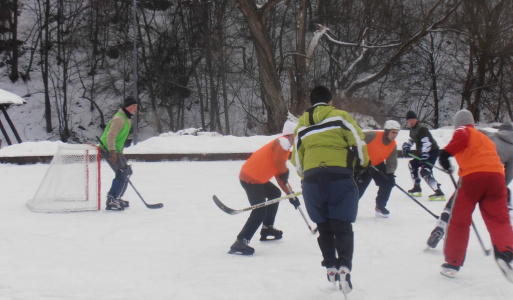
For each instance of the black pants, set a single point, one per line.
(336, 235)
(258, 193)
(385, 183)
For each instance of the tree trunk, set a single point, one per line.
(273, 98)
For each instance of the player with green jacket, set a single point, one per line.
(328, 146)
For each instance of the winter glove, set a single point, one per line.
(360, 173)
(284, 177)
(406, 150)
(113, 157)
(444, 160)
(295, 201)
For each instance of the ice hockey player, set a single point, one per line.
(267, 162)
(114, 137)
(503, 140)
(381, 146)
(427, 146)
(481, 182)
(328, 144)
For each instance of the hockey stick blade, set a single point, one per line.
(153, 206)
(232, 211)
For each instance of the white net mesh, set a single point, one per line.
(72, 181)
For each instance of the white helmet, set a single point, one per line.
(391, 124)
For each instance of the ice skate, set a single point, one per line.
(241, 247)
(267, 231)
(436, 236)
(382, 212)
(449, 270)
(416, 191)
(437, 196)
(113, 204)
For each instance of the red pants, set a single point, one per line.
(489, 190)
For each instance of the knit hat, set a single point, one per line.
(129, 101)
(506, 126)
(463, 117)
(411, 115)
(289, 127)
(320, 94)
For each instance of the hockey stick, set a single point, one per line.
(114, 168)
(429, 164)
(232, 211)
(407, 194)
(313, 231)
(486, 251)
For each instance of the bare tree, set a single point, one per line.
(256, 19)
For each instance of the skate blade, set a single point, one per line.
(437, 198)
(448, 272)
(505, 269)
(235, 252)
(378, 214)
(266, 239)
(344, 288)
(416, 194)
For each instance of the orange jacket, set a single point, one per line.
(474, 151)
(266, 162)
(379, 152)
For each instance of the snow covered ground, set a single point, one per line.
(180, 251)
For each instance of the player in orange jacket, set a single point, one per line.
(481, 181)
(264, 164)
(381, 146)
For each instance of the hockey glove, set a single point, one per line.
(406, 150)
(113, 157)
(284, 177)
(295, 201)
(444, 160)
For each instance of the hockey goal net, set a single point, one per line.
(72, 181)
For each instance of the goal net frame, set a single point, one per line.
(72, 182)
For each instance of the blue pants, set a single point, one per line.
(332, 202)
(330, 196)
(122, 170)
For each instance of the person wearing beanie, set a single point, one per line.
(428, 150)
(264, 164)
(112, 144)
(481, 182)
(503, 141)
(328, 147)
(381, 146)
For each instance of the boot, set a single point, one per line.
(333, 276)
(449, 270)
(241, 247)
(267, 231)
(416, 191)
(505, 262)
(113, 204)
(436, 236)
(382, 212)
(124, 203)
(345, 280)
(437, 196)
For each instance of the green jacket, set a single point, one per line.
(421, 138)
(116, 132)
(328, 137)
